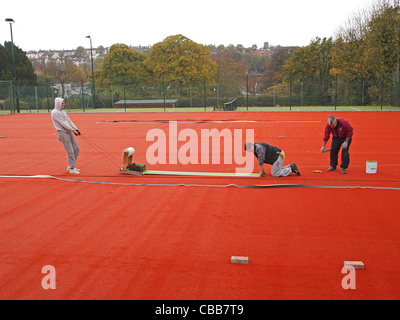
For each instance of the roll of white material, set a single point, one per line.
(129, 151)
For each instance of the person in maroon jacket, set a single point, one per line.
(342, 133)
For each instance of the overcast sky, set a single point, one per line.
(56, 24)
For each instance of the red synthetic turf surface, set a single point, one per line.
(175, 242)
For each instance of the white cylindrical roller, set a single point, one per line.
(129, 151)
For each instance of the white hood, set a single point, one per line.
(60, 118)
(58, 103)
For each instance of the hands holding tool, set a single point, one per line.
(76, 132)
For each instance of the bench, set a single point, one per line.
(228, 106)
(168, 103)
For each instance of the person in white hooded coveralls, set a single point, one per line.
(65, 130)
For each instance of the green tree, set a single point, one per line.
(382, 41)
(314, 59)
(349, 47)
(312, 65)
(23, 68)
(123, 65)
(274, 65)
(81, 52)
(230, 74)
(382, 54)
(254, 63)
(181, 61)
(370, 42)
(100, 50)
(367, 51)
(63, 71)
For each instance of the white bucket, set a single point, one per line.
(372, 166)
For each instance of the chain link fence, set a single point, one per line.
(251, 92)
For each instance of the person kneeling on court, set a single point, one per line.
(273, 156)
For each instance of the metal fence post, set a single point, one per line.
(362, 94)
(190, 94)
(47, 95)
(302, 94)
(163, 83)
(247, 92)
(12, 97)
(36, 98)
(383, 88)
(336, 93)
(397, 89)
(290, 92)
(112, 97)
(83, 97)
(274, 94)
(205, 95)
(124, 97)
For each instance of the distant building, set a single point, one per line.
(40, 58)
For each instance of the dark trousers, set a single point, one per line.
(336, 145)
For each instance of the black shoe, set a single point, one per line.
(294, 169)
(343, 171)
(332, 169)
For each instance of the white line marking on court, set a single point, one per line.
(355, 109)
(214, 121)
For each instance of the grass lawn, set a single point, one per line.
(210, 109)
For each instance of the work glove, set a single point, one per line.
(323, 149)
(281, 154)
(345, 145)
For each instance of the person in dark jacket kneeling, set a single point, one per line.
(273, 156)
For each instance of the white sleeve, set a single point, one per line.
(73, 126)
(60, 123)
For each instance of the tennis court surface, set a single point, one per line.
(110, 235)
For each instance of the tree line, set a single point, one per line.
(24, 69)
(364, 55)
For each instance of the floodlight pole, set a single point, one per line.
(11, 21)
(91, 58)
